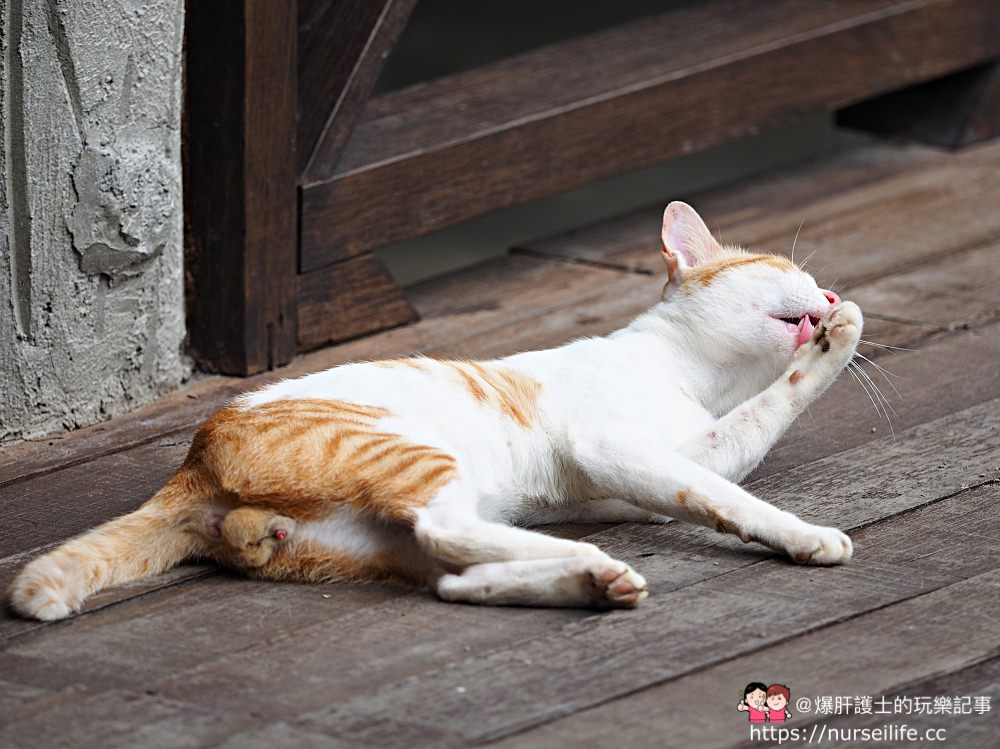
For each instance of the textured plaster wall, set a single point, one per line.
(91, 283)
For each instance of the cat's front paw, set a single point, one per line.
(832, 346)
(818, 545)
(839, 331)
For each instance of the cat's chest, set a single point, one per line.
(666, 417)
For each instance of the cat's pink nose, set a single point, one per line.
(831, 296)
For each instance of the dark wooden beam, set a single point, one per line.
(347, 300)
(342, 45)
(565, 115)
(240, 183)
(954, 111)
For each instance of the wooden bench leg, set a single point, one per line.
(349, 299)
(953, 111)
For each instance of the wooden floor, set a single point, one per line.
(201, 658)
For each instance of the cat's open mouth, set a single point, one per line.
(802, 325)
(795, 322)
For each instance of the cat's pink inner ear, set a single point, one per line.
(686, 237)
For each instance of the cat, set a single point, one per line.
(428, 472)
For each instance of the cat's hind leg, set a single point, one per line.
(584, 582)
(449, 529)
(501, 564)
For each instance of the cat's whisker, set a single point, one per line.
(850, 368)
(796, 239)
(878, 391)
(809, 257)
(880, 397)
(885, 346)
(886, 406)
(885, 374)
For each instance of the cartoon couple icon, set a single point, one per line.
(766, 704)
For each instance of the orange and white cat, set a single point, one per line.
(428, 471)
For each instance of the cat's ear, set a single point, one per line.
(687, 242)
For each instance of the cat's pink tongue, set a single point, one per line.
(805, 330)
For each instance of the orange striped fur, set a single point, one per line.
(513, 394)
(704, 275)
(311, 562)
(303, 457)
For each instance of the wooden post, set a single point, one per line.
(240, 198)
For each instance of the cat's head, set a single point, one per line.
(745, 305)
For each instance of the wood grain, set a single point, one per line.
(307, 668)
(347, 300)
(342, 45)
(906, 643)
(954, 111)
(875, 227)
(566, 115)
(679, 631)
(239, 184)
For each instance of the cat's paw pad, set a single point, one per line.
(840, 328)
(820, 546)
(616, 585)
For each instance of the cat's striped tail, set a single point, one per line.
(154, 538)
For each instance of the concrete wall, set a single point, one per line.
(91, 282)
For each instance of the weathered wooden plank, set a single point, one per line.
(342, 46)
(688, 628)
(877, 228)
(204, 624)
(951, 112)
(565, 115)
(319, 664)
(66, 502)
(975, 730)
(747, 211)
(910, 641)
(239, 183)
(119, 718)
(13, 626)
